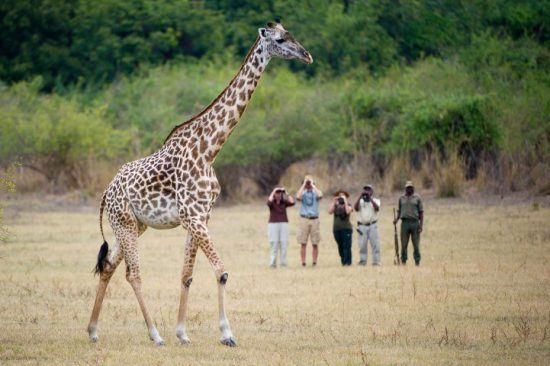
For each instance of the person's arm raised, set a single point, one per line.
(270, 198)
(374, 204)
(356, 206)
(347, 206)
(300, 191)
(332, 205)
(290, 200)
(317, 191)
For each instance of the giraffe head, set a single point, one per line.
(279, 42)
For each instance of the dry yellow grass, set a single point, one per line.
(481, 295)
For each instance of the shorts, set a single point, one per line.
(309, 229)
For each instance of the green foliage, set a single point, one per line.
(53, 135)
(83, 42)
(7, 185)
(289, 118)
(71, 41)
(390, 78)
(459, 121)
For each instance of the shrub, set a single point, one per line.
(6, 186)
(449, 177)
(53, 135)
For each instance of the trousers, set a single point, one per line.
(343, 240)
(409, 229)
(369, 234)
(277, 234)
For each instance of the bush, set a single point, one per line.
(54, 136)
(449, 177)
(7, 185)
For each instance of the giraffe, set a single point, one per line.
(177, 186)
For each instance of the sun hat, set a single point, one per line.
(337, 193)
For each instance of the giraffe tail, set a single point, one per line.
(104, 249)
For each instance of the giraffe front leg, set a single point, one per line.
(200, 234)
(227, 335)
(186, 279)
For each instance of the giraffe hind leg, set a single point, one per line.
(105, 268)
(186, 279)
(127, 234)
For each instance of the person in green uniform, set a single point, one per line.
(411, 213)
(341, 228)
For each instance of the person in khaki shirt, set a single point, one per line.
(411, 212)
(367, 207)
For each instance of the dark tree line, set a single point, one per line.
(91, 42)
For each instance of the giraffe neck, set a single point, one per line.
(214, 124)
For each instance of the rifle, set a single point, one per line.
(396, 260)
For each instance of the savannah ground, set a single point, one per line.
(481, 296)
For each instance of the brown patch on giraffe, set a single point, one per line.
(202, 184)
(204, 144)
(241, 108)
(231, 124)
(195, 152)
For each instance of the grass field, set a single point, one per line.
(481, 296)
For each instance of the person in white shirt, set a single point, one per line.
(368, 207)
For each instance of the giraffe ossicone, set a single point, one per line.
(176, 185)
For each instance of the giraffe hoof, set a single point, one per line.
(94, 338)
(159, 343)
(185, 341)
(230, 342)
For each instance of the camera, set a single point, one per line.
(365, 197)
(340, 201)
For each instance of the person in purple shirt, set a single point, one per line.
(277, 227)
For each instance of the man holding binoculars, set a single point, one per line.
(309, 195)
(367, 207)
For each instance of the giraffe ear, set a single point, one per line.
(261, 32)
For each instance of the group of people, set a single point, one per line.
(410, 211)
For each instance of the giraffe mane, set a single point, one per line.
(248, 55)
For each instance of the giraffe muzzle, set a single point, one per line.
(306, 57)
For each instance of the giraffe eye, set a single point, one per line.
(279, 41)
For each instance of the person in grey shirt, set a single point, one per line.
(309, 195)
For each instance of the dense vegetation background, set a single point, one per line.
(444, 90)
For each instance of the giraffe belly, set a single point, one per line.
(158, 217)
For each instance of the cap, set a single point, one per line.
(367, 186)
(409, 184)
